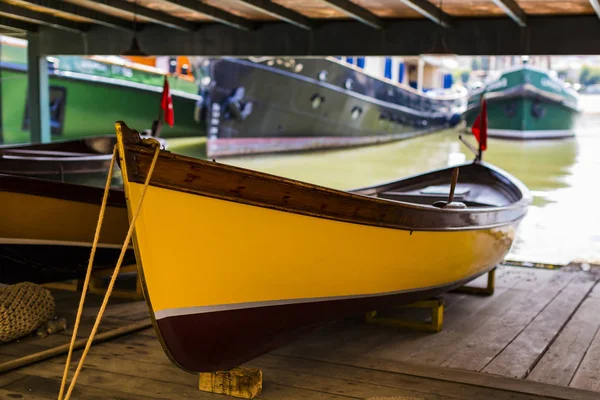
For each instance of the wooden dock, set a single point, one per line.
(537, 337)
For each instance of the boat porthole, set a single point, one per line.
(298, 67)
(348, 84)
(270, 63)
(424, 122)
(316, 101)
(356, 111)
(537, 110)
(323, 75)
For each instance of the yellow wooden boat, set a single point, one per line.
(47, 229)
(245, 261)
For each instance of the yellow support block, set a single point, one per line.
(485, 291)
(96, 286)
(436, 306)
(238, 382)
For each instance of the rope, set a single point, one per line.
(115, 273)
(24, 307)
(88, 272)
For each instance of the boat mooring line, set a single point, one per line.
(174, 312)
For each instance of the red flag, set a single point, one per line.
(479, 127)
(166, 104)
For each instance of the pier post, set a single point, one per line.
(37, 91)
(420, 71)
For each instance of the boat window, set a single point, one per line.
(356, 111)
(316, 100)
(58, 99)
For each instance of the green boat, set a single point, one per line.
(526, 103)
(87, 94)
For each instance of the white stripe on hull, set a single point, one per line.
(533, 134)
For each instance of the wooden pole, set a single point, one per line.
(55, 351)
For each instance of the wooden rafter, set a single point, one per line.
(152, 15)
(280, 12)
(72, 9)
(214, 13)
(40, 18)
(428, 10)
(357, 12)
(514, 11)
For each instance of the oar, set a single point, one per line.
(453, 182)
(453, 185)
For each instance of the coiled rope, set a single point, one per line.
(113, 278)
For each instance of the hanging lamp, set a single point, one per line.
(439, 48)
(134, 48)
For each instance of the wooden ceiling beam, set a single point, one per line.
(40, 18)
(87, 13)
(357, 12)
(214, 13)
(514, 11)
(428, 10)
(16, 25)
(157, 17)
(280, 12)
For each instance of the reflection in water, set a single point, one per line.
(562, 223)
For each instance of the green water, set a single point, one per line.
(562, 225)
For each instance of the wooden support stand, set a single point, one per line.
(238, 382)
(436, 305)
(485, 291)
(97, 287)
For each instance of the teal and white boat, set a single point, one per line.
(525, 102)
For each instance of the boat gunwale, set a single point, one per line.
(137, 154)
(60, 190)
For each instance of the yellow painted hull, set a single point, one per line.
(217, 253)
(47, 229)
(27, 218)
(242, 261)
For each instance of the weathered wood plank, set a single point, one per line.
(588, 374)
(476, 347)
(123, 383)
(560, 362)
(517, 359)
(10, 377)
(12, 395)
(365, 376)
(170, 373)
(336, 386)
(34, 387)
(470, 378)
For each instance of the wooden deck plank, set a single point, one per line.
(560, 362)
(389, 380)
(475, 347)
(587, 375)
(10, 377)
(12, 395)
(520, 356)
(124, 383)
(48, 389)
(336, 386)
(170, 374)
(469, 377)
